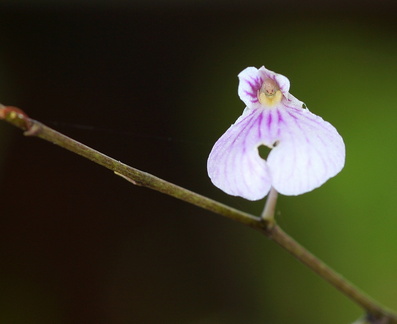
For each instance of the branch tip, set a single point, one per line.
(15, 116)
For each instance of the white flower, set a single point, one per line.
(305, 150)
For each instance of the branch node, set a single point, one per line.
(127, 178)
(33, 130)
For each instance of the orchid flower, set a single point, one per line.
(305, 150)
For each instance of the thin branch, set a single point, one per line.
(376, 313)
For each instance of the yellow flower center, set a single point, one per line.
(269, 94)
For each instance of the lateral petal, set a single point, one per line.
(251, 81)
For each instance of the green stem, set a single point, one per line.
(265, 224)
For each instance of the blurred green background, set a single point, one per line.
(154, 84)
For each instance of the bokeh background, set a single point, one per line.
(154, 84)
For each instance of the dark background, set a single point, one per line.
(154, 84)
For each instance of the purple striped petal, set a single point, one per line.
(250, 83)
(306, 152)
(309, 152)
(234, 164)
